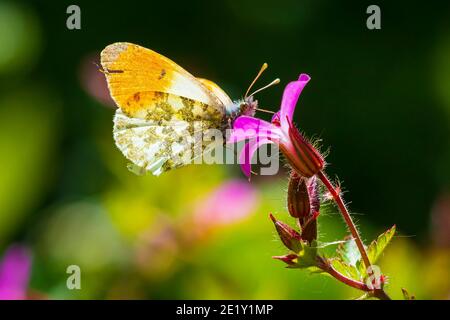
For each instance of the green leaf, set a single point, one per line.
(377, 246)
(346, 269)
(348, 252)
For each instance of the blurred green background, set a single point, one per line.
(379, 99)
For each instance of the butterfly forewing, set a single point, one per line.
(217, 91)
(130, 68)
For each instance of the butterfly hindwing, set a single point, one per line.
(167, 137)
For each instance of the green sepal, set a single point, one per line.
(306, 256)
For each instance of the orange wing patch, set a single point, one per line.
(131, 69)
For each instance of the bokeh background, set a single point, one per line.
(380, 100)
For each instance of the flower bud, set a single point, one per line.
(290, 238)
(304, 204)
(309, 228)
(298, 197)
(313, 191)
(309, 225)
(288, 259)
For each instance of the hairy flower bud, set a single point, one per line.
(298, 197)
(290, 238)
(313, 191)
(304, 204)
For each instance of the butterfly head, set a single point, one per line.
(248, 106)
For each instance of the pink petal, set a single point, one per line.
(290, 97)
(14, 273)
(246, 127)
(245, 158)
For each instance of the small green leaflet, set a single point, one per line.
(348, 252)
(377, 246)
(346, 269)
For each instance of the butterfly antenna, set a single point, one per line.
(99, 68)
(264, 110)
(264, 67)
(274, 82)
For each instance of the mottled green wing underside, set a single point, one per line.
(168, 135)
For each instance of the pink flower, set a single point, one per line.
(302, 156)
(14, 273)
(233, 201)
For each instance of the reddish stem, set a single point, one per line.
(325, 265)
(379, 293)
(344, 279)
(346, 215)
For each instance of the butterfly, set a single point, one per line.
(162, 107)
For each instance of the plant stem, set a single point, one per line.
(346, 215)
(378, 293)
(326, 266)
(344, 279)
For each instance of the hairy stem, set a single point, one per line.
(346, 215)
(325, 266)
(378, 293)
